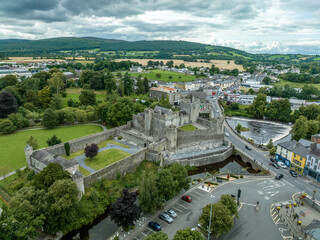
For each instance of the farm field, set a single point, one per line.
(12, 150)
(30, 59)
(176, 77)
(223, 64)
(295, 85)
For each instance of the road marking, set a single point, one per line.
(285, 237)
(197, 194)
(182, 206)
(192, 196)
(308, 189)
(249, 204)
(273, 214)
(260, 192)
(177, 209)
(266, 198)
(277, 220)
(288, 183)
(274, 219)
(272, 208)
(200, 193)
(144, 234)
(164, 221)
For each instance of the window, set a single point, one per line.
(294, 155)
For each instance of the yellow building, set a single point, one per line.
(299, 158)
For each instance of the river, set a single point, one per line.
(261, 131)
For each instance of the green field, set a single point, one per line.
(295, 85)
(176, 77)
(189, 127)
(100, 145)
(12, 145)
(105, 158)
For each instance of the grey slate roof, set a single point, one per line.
(64, 162)
(305, 143)
(315, 150)
(301, 150)
(77, 174)
(290, 145)
(313, 229)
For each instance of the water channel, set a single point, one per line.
(102, 228)
(261, 131)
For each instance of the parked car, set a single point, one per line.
(171, 213)
(226, 134)
(155, 226)
(293, 173)
(282, 165)
(186, 198)
(248, 147)
(273, 160)
(279, 176)
(275, 165)
(165, 217)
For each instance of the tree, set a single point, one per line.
(85, 77)
(273, 151)
(188, 234)
(127, 84)
(32, 142)
(97, 81)
(270, 144)
(81, 116)
(238, 128)
(124, 211)
(250, 91)
(110, 82)
(146, 84)
(7, 126)
(157, 236)
(67, 148)
(266, 80)
(234, 106)
(313, 128)
(53, 140)
(166, 185)
(230, 203)
(91, 150)
(9, 80)
(257, 108)
(120, 112)
(57, 81)
(221, 219)
(49, 119)
(149, 199)
(62, 202)
(87, 97)
(8, 104)
(49, 175)
(56, 102)
(140, 85)
(279, 110)
(158, 75)
(18, 120)
(180, 174)
(300, 128)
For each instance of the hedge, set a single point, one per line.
(222, 178)
(234, 176)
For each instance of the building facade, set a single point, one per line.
(285, 152)
(299, 157)
(312, 167)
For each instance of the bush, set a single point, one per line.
(18, 187)
(118, 175)
(241, 176)
(234, 176)
(91, 150)
(30, 175)
(302, 203)
(119, 137)
(64, 94)
(86, 86)
(222, 178)
(67, 148)
(53, 140)
(132, 227)
(116, 238)
(18, 172)
(7, 126)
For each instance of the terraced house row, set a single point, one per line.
(302, 156)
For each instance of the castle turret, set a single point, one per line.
(28, 150)
(171, 136)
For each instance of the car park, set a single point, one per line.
(293, 173)
(165, 217)
(171, 213)
(279, 176)
(186, 198)
(155, 226)
(248, 147)
(282, 165)
(275, 165)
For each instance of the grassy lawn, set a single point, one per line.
(295, 85)
(100, 145)
(165, 76)
(105, 158)
(189, 127)
(84, 171)
(12, 145)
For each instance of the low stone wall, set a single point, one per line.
(204, 122)
(124, 166)
(313, 203)
(203, 160)
(80, 143)
(153, 156)
(131, 137)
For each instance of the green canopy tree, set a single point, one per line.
(279, 110)
(149, 199)
(180, 174)
(157, 236)
(110, 82)
(127, 84)
(188, 234)
(57, 81)
(300, 128)
(257, 108)
(87, 97)
(166, 184)
(230, 203)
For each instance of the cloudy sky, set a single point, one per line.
(258, 26)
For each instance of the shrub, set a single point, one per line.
(119, 137)
(241, 176)
(116, 238)
(118, 175)
(30, 175)
(91, 150)
(18, 172)
(67, 148)
(86, 86)
(132, 227)
(18, 187)
(222, 178)
(53, 140)
(302, 203)
(234, 176)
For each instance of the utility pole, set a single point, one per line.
(239, 194)
(209, 230)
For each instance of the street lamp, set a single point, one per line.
(211, 196)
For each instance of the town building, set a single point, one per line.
(285, 152)
(312, 231)
(312, 167)
(172, 94)
(299, 157)
(315, 138)
(136, 69)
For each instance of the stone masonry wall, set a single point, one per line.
(203, 160)
(186, 138)
(131, 137)
(124, 166)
